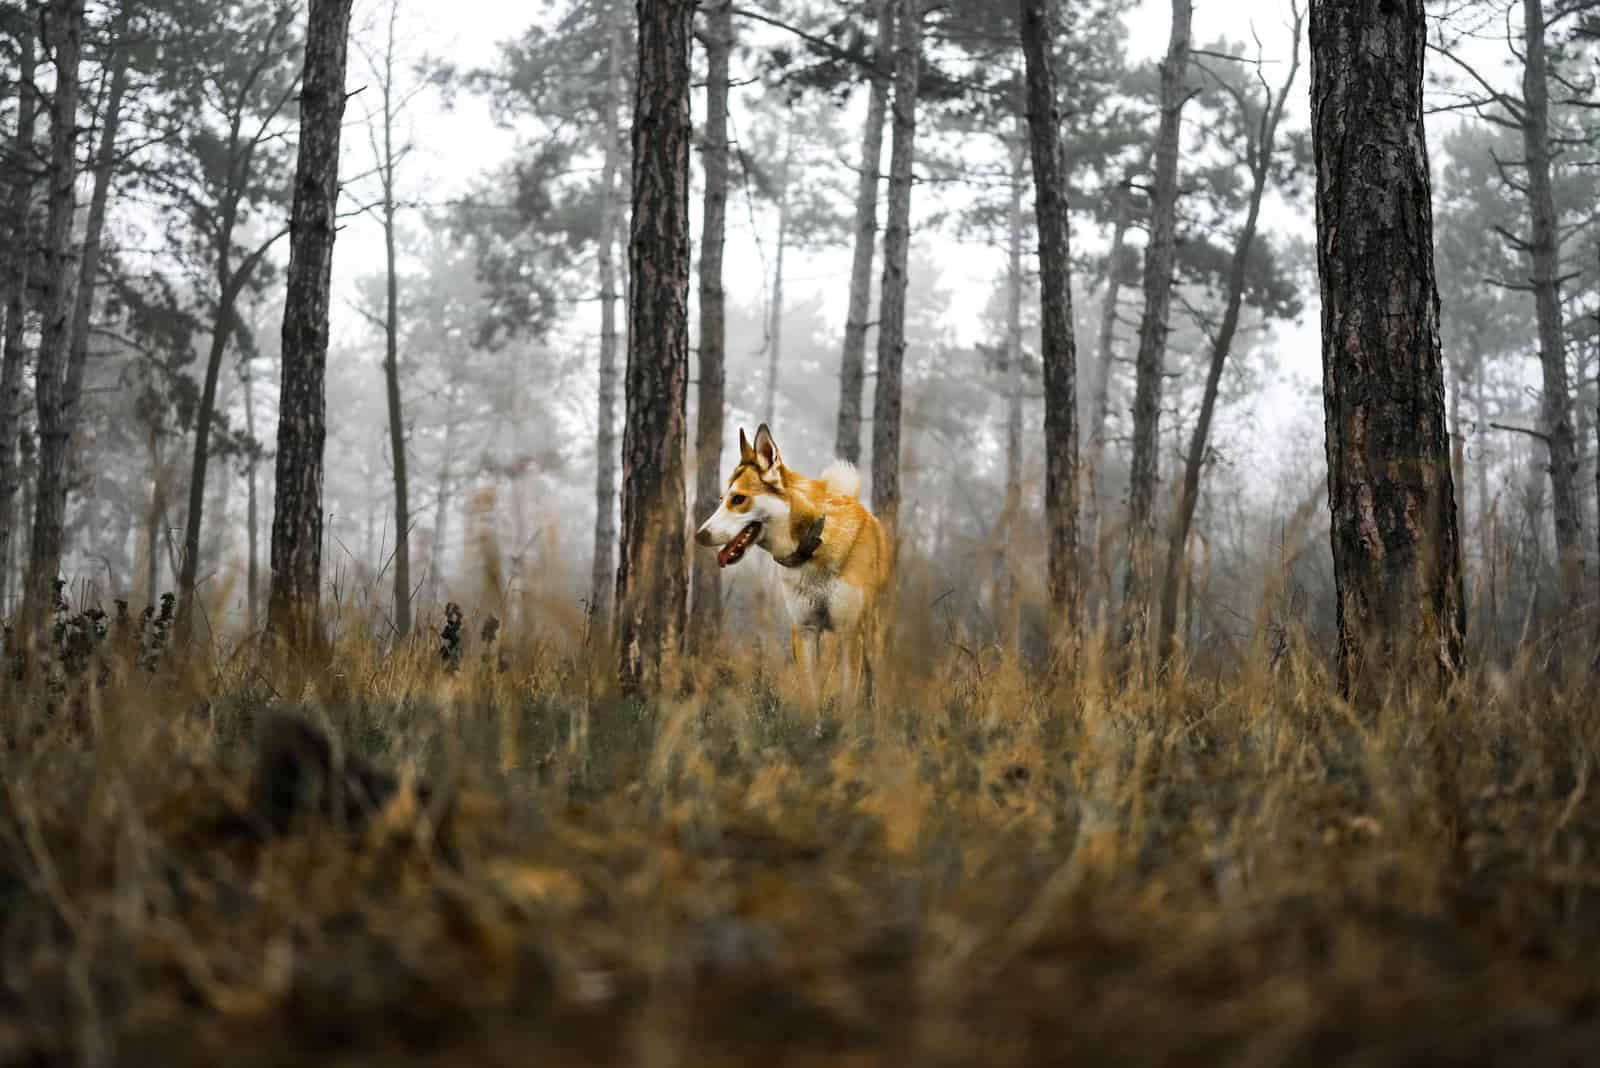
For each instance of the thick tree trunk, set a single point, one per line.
(1262, 146)
(64, 19)
(1544, 250)
(896, 252)
(705, 599)
(16, 297)
(1392, 502)
(852, 361)
(652, 580)
(391, 350)
(1158, 263)
(603, 574)
(1059, 347)
(297, 513)
(775, 322)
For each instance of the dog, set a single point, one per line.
(833, 554)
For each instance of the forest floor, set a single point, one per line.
(990, 869)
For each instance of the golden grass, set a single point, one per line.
(994, 866)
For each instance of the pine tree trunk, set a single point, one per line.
(64, 19)
(775, 325)
(391, 351)
(1262, 147)
(1100, 384)
(603, 575)
(852, 361)
(1392, 502)
(896, 252)
(1158, 264)
(652, 581)
(297, 514)
(16, 296)
(705, 599)
(1059, 347)
(1544, 249)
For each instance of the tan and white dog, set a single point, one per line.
(832, 552)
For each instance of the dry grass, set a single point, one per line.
(994, 867)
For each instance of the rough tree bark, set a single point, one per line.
(302, 415)
(603, 575)
(853, 359)
(896, 251)
(17, 263)
(652, 579)
(64, 21)
(775, 320)
(1158, 261)
(387, 163)
(1260, 145)
(1059, 348)
(1392, 502)
(1544, 250)
(705, 599)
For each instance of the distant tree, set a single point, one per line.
(705, 593)
(896, 248)
(64, 24)
(1390, 493)
(1259, 119)
(1058, 344)
(20, 169)
(652, 579)
(297, 516)
(1158, 267)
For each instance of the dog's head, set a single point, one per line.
(754, 502)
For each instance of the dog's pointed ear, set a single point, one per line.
(765, 448)
(747, 455)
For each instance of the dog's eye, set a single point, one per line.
(736, 500)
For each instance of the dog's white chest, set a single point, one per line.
(818, 600)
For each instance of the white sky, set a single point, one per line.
(456, 146)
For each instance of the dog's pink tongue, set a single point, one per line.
(731, 552)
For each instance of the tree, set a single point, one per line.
(297, 514)
(64, 21)
(1391, 497)
(1260, 121)
(705, 597)
(852, 360)
(18, 262)
(896, 248)
(651, 579)
(1158, 265)
(1058, 345)
(603, 573)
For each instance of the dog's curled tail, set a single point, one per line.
(841, 477)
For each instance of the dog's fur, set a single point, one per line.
(833, 554)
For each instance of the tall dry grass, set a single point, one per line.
(1003, 861)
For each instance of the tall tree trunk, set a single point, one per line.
(253, 565)
(775, 324)
(705, 599)
(1100, 383)
(64, 19)
(1262, 144)
(852, 361)
(391, 348)
(1158, 262)
(652, 581)
(1544, 250)
(16, 297)
(221, 332)
(603, 575)
(896, 252)
(1396, 557)
(1059, 347)
(297, 513)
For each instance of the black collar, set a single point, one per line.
(810, 542)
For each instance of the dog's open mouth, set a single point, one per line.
(733, 552)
